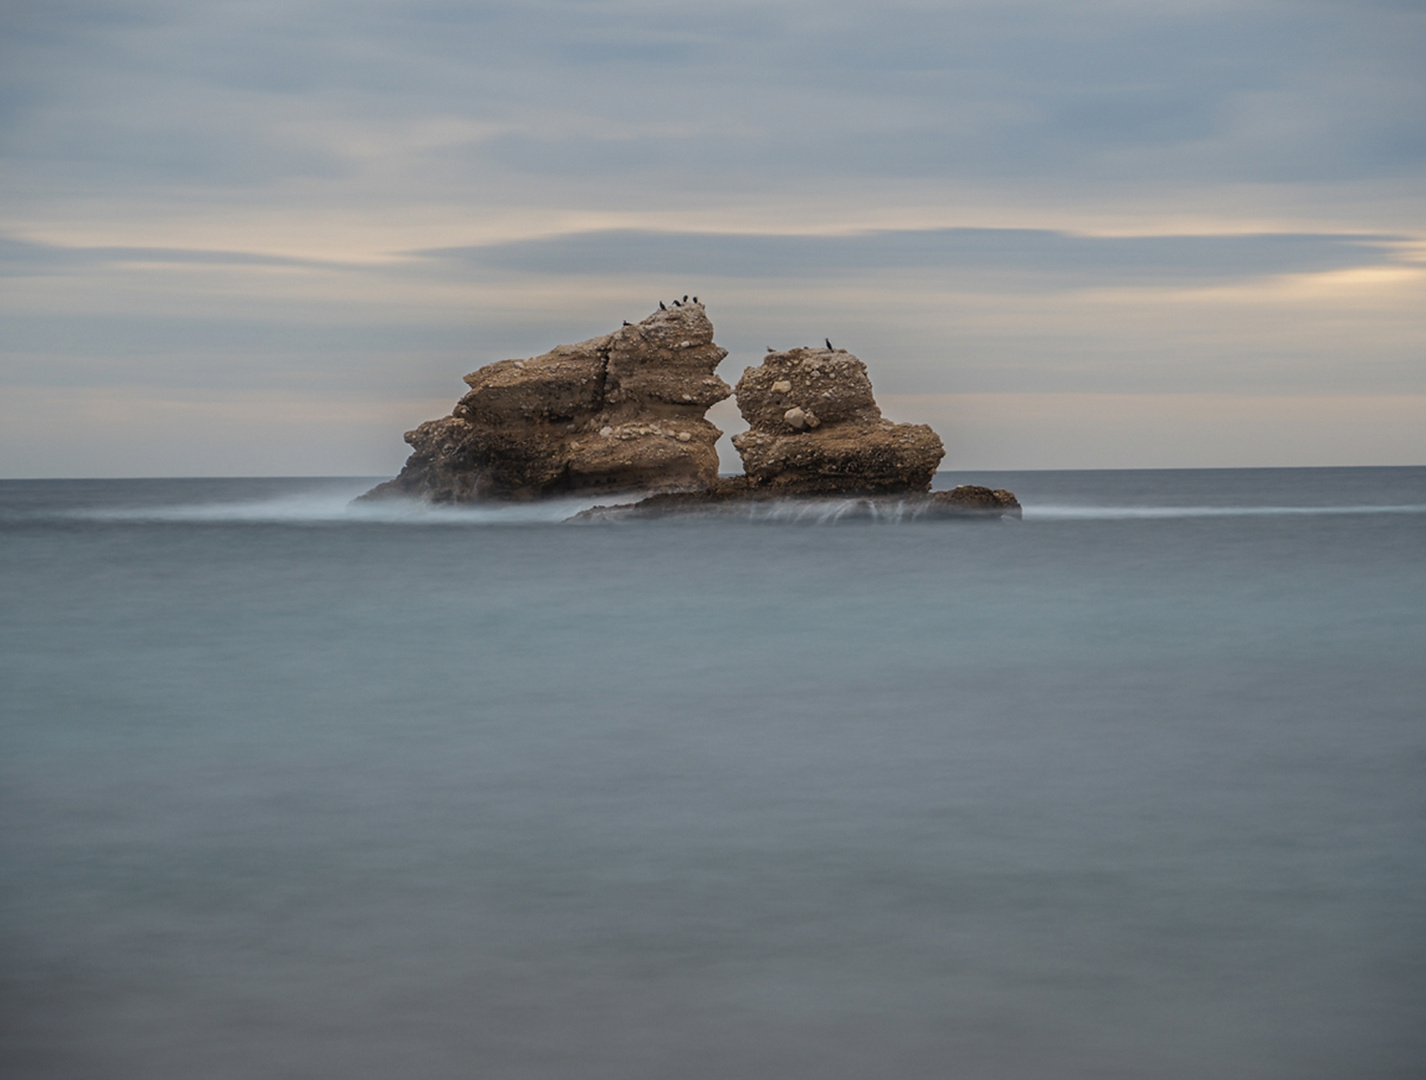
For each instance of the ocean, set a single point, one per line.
(1132, 788)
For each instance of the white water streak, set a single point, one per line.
(335, 505)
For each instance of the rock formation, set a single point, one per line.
(815, 428)
(734, 498)
(622, 412)
(971, 499)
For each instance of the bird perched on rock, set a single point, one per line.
(695, 299)
(685, 298)
(628, 323)
(829, 343)
(661, 307)
(677, 304)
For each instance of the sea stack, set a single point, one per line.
(622, 412)
(815, 429)
(623, 415)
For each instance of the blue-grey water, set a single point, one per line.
(1135, 787)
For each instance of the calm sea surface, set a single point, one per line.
(1134, 788)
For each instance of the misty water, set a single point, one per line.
(1131, 788)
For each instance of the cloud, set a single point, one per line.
(1030, 256)
(765, 95)
(1018, 197)
(22, 258)
(1033, 256)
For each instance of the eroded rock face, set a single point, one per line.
(815, 428)
(622, 412)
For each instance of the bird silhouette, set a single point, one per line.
(829, 343)
(661, 307)
(685, 298)
(677, 304)
(695, 299)
(628, 323)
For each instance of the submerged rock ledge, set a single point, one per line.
(624, 414)
(733, 497)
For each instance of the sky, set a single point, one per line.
(266, 238)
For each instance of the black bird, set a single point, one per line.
(685, 298)
(628, 323)
(661, 307)
(677, 304)
(829, 343)
(769, 348)
(695, 299)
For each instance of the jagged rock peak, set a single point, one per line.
(815, 428)
(621, 412)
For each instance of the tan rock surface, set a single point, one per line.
(622, 412)
(815, 428)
